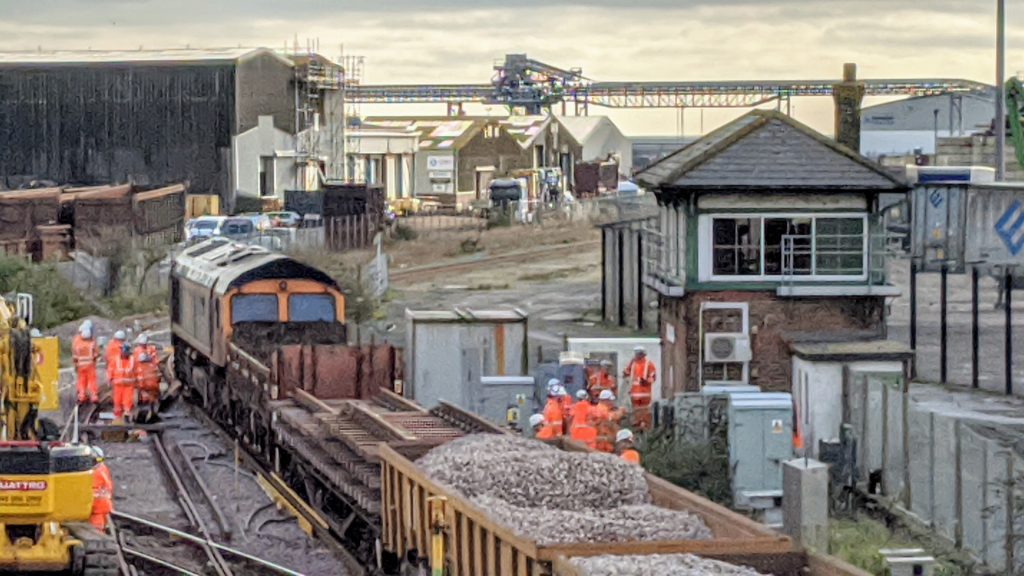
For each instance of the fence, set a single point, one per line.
(532, 213)
(351, 232)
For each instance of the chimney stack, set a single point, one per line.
(848, 95)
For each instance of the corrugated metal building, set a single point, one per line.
(146, 116)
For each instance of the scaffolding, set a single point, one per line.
(319, 113)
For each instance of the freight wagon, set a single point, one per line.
(259, 342)
(472, 544)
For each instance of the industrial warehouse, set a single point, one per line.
(430, 295)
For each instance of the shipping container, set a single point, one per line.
(476, 545)
(962, 224)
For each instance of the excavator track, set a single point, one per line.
(98, 554)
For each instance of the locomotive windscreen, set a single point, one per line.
(311, 308)
(254, 308)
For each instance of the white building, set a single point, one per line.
(903, 126)
(385, 157)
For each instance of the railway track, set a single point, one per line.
(420, 273)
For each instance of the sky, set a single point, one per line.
(458, 41)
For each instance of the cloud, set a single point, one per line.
(457, 41)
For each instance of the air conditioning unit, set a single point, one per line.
(719, 347)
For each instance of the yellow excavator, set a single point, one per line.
(45, 484)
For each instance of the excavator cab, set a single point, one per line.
(45, 486)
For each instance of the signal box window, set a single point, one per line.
(310, 308)
(253, 308)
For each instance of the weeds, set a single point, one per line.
(56, 301)
(702, 468)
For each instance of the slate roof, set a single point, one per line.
(767, 150)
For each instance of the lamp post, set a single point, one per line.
(1000, 90)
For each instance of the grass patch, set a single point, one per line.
(858, 542)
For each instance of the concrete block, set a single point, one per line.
(805, 502)
(973, 473)
(996, 505)
(944, 477)
(919, 438)
(894, 464)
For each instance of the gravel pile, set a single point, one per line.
(657, 565)
(531, 474)
(557, 497)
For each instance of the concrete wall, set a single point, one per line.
(265, 86)
(977, 150)
(265, 140)
(962, 475)
(773, 320)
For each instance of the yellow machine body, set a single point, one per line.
(35, 501)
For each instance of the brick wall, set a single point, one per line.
(773, 322)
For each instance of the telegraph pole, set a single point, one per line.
(1000, 90)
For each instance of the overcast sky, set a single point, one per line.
(407, 41)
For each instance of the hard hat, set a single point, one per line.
(560, 391)
(87, 323)
(623, 435)
(35, 333)
(536, 420)
(98, 453)
(119, 335)
(581, 394)
(606, 395)
(87, 332)
(553, 383)
(143, 339)
(83, 327)
(639, 349)
(126, 349)
(144, 357)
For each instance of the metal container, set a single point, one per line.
(450, 351)
(760, 440)
(964, 224)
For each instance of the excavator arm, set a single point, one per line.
(1014, 109)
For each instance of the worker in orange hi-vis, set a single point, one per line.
(541, 430)
(84, 352)
(601, 380)
(582, 429)
(102, 492)
(123, 377)
(113, 352)
(554, 412)
(567, 405)
(147, 379)
(641, 374)
(624, 446)
(606, 418)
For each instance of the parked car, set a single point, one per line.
(260, 222)
(202, 228)
(284, 219)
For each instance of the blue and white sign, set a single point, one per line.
(1010, 227)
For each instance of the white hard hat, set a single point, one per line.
(561, 391)
(623, 435)
(606, 395)
(97, 452)
(553, 383)
(119, 335)
(143, 339)
(536, 420)
(581, 394)
(639, 349)
(35, 333)
(86, 332)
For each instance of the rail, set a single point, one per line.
(217, 561)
